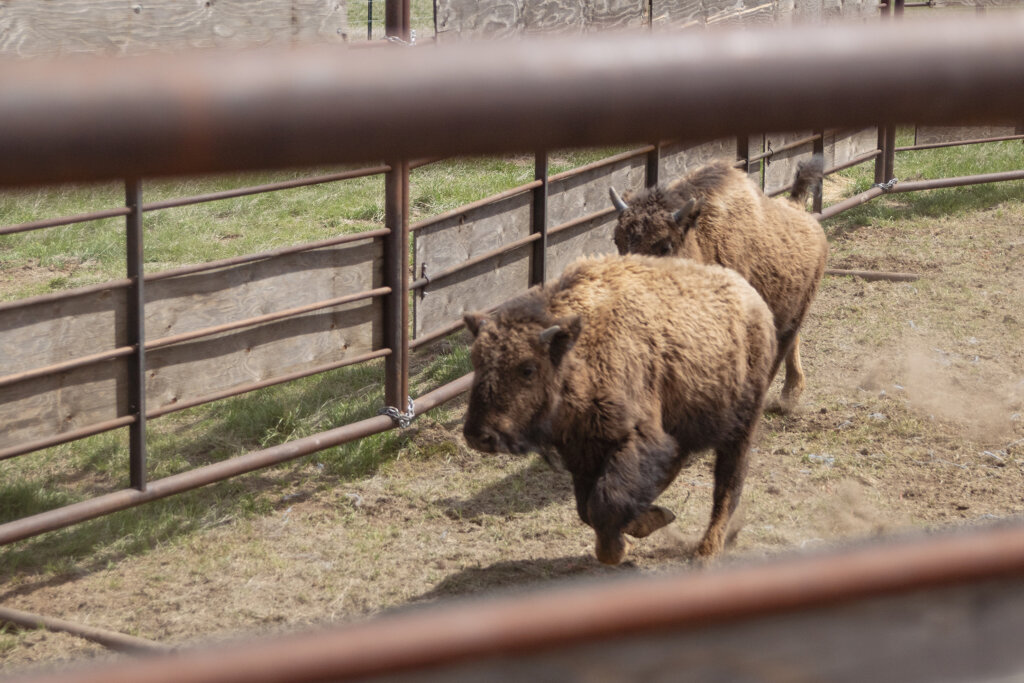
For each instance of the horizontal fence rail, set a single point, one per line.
(200, 113)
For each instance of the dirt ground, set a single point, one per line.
(912, 420)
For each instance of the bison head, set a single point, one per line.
(648, 225)
(516, 362)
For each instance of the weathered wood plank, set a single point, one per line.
(780, 168)
(457, 240)
(586, 239)
(844, 145)
(678, 159)
(677, 14)
(476, 288)
(29, 28)
(462, 19)
(48, 332)
(604, 15)
(585, 193)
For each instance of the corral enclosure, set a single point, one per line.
(182, 369)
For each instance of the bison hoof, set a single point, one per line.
(612, 550)
(654, 518)
(708, 548)
(781, 406)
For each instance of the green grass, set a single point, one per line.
(75, 255)
(933, 164)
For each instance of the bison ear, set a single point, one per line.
(474, 321)
(561, 337)
(687, 216)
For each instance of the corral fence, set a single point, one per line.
(117, 354)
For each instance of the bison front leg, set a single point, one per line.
(731, 464)
(620, 502)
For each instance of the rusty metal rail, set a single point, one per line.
(111, 639)
(200, 113)
(543, 621)
(202, 476)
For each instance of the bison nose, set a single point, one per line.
(482, 439)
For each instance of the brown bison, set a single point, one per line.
(625, 367)
(716, 215)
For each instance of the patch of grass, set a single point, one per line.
(933, 164)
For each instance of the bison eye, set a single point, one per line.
(663, 249)
(527, 370)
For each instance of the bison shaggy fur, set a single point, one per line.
(626, 367)
(716, 215)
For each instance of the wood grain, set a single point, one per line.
(36, 335)
(29, 28)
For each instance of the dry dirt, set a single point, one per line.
(912, 420)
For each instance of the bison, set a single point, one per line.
(625, 367)
(716, 215)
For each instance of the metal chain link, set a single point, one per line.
(403, 420)
(887, 186)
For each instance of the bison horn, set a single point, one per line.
(685, 212)
(620, 205)
(547, 335)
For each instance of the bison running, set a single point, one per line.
(716, 215)
(626, 367)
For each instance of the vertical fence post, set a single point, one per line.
(819, 150)
(743, 151)
(539, 220)
(396, 255)
(396, 267)
(136, 318)
(881, 161)
(369, 19)
(397, 17)
(653, 162)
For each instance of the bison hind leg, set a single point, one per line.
(654, 518)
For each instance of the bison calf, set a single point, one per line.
(626, 366)
(716, 215)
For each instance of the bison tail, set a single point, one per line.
(808, 175)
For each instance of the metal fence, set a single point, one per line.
(184, 117)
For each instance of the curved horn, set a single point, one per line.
(620, 205)
(684, 212)
(547, 335)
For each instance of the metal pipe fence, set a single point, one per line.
(717, 73)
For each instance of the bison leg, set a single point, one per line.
(620, 501)
(731, 464)
(794, 384)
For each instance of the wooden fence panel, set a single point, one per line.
(780, 168)
(589, 238)
(36, 335)
(678, 159)
(461, 238)
(842, 146)
(30, 28)
(466, 19)
(583, 194)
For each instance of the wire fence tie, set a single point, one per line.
(403, 420)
